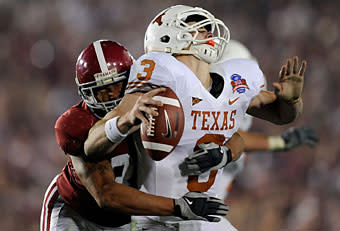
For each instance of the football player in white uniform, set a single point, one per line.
(288, 140)
(180, 44)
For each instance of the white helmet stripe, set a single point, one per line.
(100, 56)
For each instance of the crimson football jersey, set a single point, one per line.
(72, 129)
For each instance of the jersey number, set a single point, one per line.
(148, 69)
(194, 184)
(120, 166)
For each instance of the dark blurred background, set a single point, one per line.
(39, 44)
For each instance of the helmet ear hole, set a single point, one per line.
(165, 39)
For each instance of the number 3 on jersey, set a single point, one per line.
(193, 181)
(149, 65)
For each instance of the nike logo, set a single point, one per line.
(176, 125)
(188, 201)
(168, 127)
(233, 101)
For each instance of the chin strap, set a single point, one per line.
(203, 52)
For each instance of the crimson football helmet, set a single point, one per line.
(101, 64)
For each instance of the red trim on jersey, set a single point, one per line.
(145, 86)
(50, 196)
(135, 84)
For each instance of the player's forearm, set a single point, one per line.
(132, 201)
(97, 144)
(254, 141)
(269, 107)
(236, 145)
(289, 111)
(98, 179)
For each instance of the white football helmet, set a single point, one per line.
(170, 32)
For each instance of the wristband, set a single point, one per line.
(112, 132)
(229, 154)
(177, 208)
(276, 143)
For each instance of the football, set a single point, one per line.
(165, 130)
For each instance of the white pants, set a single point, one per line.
(140, 223)
(56, 215)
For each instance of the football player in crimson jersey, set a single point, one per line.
(99, 195)
(180, 44)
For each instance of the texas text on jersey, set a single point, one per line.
(71, 129)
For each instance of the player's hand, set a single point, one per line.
(208, 156)
(295, 137)
(289, 87)
(144, 107)
(199, 206)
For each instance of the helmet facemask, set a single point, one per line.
(209, 49)
(102, 71)
(88, 91)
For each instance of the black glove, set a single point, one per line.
(199, 206)
(298, 136)
(208, 156)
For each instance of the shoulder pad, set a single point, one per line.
(152, 70)
(72, 129)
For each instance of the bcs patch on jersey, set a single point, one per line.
(195, 100)
(238, 83)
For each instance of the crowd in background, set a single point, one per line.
(39, 45)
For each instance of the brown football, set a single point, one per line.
(165, 130)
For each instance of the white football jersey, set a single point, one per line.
(207, 119)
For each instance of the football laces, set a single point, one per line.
(150, 129)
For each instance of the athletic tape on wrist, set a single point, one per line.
(276, 143)
(112, 132)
